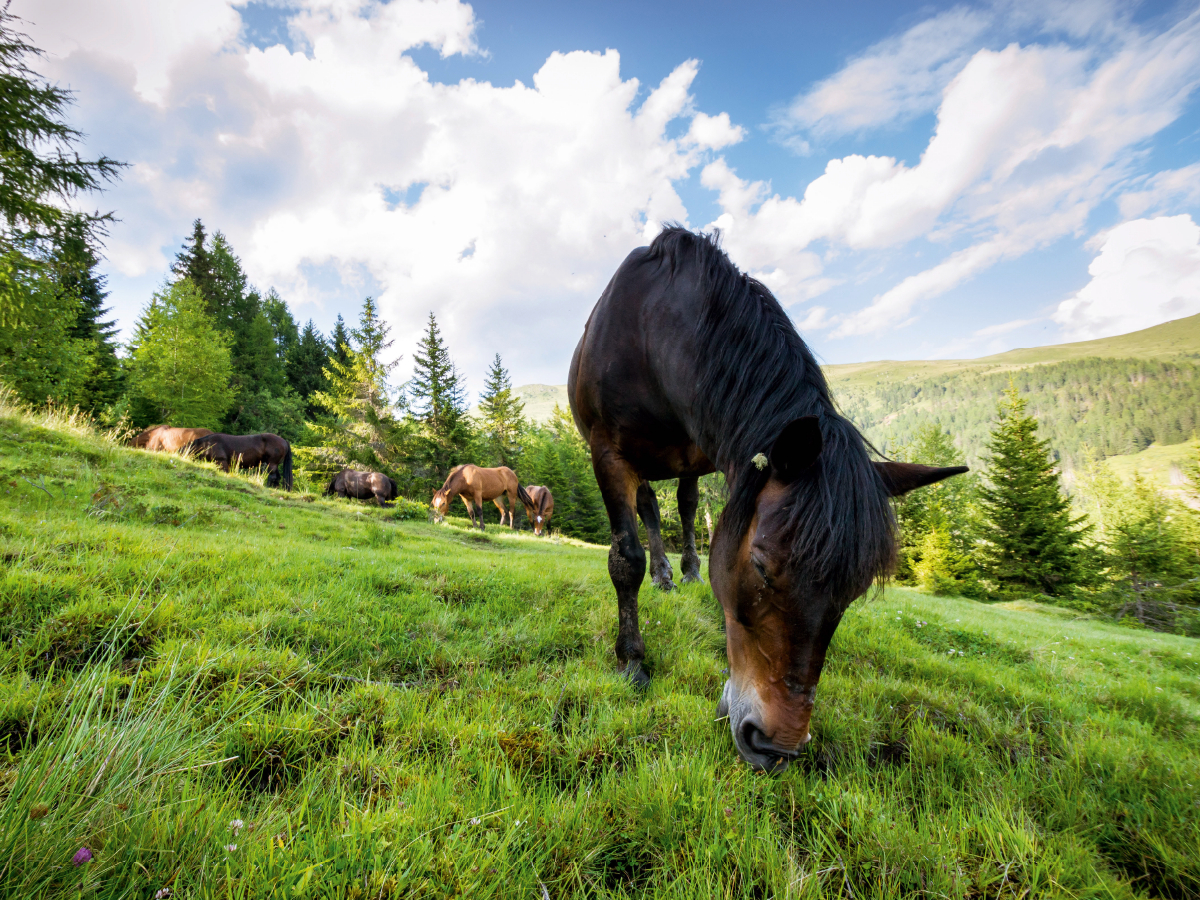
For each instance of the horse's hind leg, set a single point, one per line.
(688, 497)
(660, 566)
(626, 558)
(503, 511)
(272, 475)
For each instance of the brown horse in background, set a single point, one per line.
(475, 485)
(687, 366)
(540, 509)
(166, 439)
(248, 451)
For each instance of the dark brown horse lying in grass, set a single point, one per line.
(540, 509)
(166, 439)
(687, 366)
(363, 486)
(248, 451)
(475, 485)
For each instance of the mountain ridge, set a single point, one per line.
(1168, 340)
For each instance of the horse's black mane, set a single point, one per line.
(755, 376)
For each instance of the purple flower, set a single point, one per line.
(81, 856)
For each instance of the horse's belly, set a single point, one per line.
(656, 461)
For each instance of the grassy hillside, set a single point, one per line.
(227, 691)
(1169, 340)
(540, 399)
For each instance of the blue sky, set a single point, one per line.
(911, 180)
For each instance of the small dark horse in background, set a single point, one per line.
(476, 484)
(687, 366)
(540, 509)
(363, 486)
(248, 451)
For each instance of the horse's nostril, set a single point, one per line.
(753, 738)
(756, 741)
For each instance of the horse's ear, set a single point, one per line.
(796, 448)
(900, 478)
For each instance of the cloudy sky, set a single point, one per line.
(912, 180)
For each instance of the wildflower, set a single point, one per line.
(230, 847)
(475, 821)
(82, 855)
(39, 811)
(235, 826)
(162, 894)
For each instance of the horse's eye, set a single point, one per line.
(760, 569)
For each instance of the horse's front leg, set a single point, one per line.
(626, 558)
(660, 566)
(470, 509)
(479, 505)
(688, 497)
(272, 475)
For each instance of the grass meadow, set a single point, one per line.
(226, 691)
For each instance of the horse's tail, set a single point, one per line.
(395, 489)
(286, 468)
(524, 497)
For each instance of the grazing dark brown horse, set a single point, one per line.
(474, 485)
(687, 366)
(540, 508)
(248, 451)
(363, 486)
(167, 439)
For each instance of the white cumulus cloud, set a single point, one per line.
(1028, 141)
(1147, 272)
(502, 208)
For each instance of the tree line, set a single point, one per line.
(1085, 407)
(1128, 551)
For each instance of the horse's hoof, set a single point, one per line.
(691, 579)
(663, 584)
(637, 675)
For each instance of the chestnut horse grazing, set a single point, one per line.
(475, 485)
(687, 366)
(363, 486)
(540, 508)
(247, 451)
(167, 439)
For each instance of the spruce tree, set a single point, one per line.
(439, 404)
(194, 262)
(339, 342)
(306, 362)
(503, 416)
(39, 171)
(74, 266)
(939, 516)
(1031, 540)
(361, 424)
(283, 324)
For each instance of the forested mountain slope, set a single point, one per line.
(1117, 395)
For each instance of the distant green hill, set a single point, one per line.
(1180, 337)
(1116, 395)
